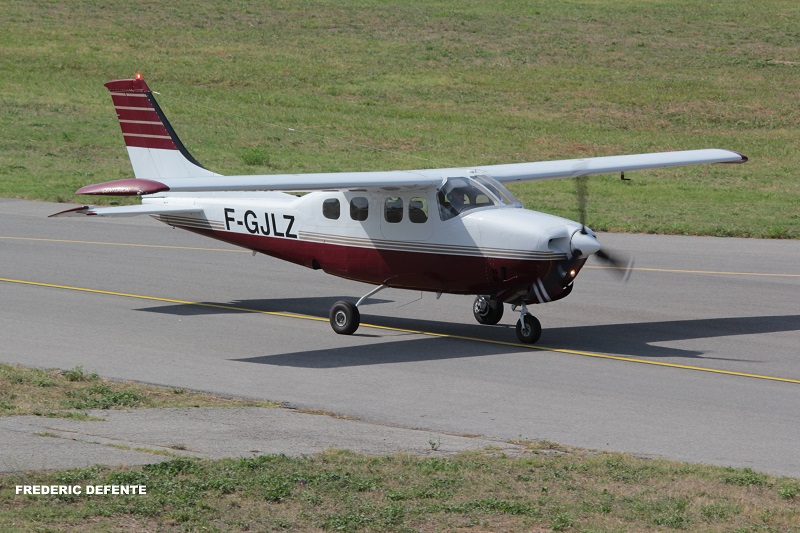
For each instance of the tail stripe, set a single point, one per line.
(140, 123)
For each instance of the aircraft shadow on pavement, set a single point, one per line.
(634, 340)
(638, 339)
(392, 352)
(318, 306)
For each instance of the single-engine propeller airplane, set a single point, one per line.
(446, 230)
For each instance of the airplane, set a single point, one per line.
(445, 230)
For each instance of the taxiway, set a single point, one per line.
(697, 358)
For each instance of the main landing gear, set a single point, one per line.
(345, 317)
(490, 311)
(487, 310)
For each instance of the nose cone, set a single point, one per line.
(583, 244)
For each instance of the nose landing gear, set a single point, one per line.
(529, 329)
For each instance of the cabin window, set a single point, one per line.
(359, 208)
(418, 210)
(393, 209)
(331, 208)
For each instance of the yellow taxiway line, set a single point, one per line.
(403, 330)
(68, 241)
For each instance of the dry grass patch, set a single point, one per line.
(70, 393)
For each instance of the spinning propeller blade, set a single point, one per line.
(620, 264)
(582, 190)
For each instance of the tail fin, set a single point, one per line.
(153, 146)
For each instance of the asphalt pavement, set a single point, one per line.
(695, 359)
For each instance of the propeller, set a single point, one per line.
(620, 264)
(582, 189)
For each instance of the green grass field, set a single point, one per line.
(307, 86)
(546, 489)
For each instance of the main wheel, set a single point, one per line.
(345, 318)
(529, 329)
(487, 310)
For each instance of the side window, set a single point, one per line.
(331, 208)
(482, 200)
(359, 208)
(418, 210)
(393, 209)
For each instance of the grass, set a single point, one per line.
(70, 393)
(338, 86)
(543, 490)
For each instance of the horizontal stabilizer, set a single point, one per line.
(127, 210)
(128, 187)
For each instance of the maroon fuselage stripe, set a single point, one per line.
(402, 269)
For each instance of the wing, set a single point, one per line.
(515, 172)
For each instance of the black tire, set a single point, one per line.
(345, 318)
(487, 311)
(530, 331)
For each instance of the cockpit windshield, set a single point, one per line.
(499, 190)
(458, 195)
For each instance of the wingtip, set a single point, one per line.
(75, 211)
(742, 158)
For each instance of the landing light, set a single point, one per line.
(573, 273)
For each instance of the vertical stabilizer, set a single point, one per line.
(155, 150)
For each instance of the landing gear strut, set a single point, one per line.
(487, 310)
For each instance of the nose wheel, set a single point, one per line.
(529, 329)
